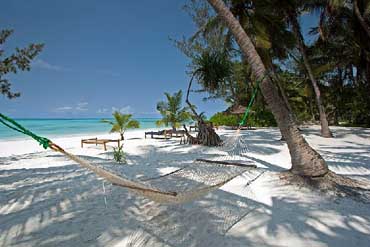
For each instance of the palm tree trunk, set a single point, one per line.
(325, 131)
(285, 98)
(360, 18)
(305, 160)
(122, 137)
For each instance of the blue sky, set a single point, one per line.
(99, 56)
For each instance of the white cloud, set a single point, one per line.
(63, 109)
(149, 112)
(102, 111)
(81, 106)
(39, 63)
(124, 110)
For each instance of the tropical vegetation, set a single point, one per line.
(172, 111)
(322, 76)
(119, 155)
(20, 60)
(121, 122)
(322, 81)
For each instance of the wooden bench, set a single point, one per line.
(97, 141)
(177, 133)
(166, 133)
(195, 127)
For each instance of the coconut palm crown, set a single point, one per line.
(121, 123)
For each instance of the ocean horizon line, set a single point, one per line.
(67, 126)
(77, 118)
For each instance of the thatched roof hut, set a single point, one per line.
(236, 109)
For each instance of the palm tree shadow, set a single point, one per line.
(65, 207)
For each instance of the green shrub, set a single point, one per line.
(256, 118)
(118, 154)
(261, 118)
(221, 118)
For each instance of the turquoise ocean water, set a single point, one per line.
(65, 127)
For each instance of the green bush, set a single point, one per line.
(261, 118)
(256, 118)
(221, 118)
(118, 154)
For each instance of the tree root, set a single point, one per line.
(332, 184)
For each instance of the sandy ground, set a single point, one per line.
(47, 200)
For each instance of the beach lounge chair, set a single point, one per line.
(177, 133)
(97, 141)
(195, 127)
(240, 128)
(165, 133)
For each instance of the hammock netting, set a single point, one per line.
(180, 186)
(184, 184)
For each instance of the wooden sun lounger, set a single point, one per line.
(195, 127)
(241, 128)
(165, 133)
(177, 133)
(97, 141)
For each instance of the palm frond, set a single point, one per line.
(116, 128)
(132, 124)
(106, 121)
(172, 111)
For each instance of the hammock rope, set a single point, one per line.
(153, 191)
(246, 113)
(11, 123)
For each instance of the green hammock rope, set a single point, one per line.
(11, 123)
(246, 114)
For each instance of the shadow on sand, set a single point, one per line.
(64, 206)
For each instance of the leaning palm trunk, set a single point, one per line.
(325, 131)
(305, 160)
(360, 18)
(285, 98)
(206, 134)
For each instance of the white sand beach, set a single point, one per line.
(48, 200)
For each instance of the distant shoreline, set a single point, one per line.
(87, 118)
(58, 127)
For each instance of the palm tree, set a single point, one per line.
(356, 9)
(121, 123)
(305, 160)
(325, 131)
(173, 114)
(343, 46)
(267, 29)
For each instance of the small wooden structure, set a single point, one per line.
(177, 133)
(165, 133)
(97, 141)
(195, 127)
(239, 128)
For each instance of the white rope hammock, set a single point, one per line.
(182, 185)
